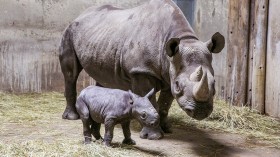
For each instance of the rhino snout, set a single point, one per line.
(154, 120)
(197, 110)
(189, 110)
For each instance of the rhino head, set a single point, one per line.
(192, 75)
(143, 110)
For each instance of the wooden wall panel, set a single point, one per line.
(272, 96)
(237, 55)
(257, 59)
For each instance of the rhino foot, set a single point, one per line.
(70, 114)
(107, 143)
(87, 140)
(129, 141)
(151, 133)
(166, 127)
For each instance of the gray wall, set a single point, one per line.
(30, 31)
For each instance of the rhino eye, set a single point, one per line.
(143, 115)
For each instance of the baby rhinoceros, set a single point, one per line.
(97, 105)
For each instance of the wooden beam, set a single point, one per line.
(238, 48)
(257, 61)
(272, 92)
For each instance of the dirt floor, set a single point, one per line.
(191, 142)
(31, 125)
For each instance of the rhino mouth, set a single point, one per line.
(198, 110)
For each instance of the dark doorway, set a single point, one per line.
(187, 6)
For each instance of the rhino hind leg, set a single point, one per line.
(164, 101)
(71, 69)
(95, 130)
(83, 111)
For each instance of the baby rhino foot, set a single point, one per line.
(166, 128)
(129, 141)
(87, 140)
(107, 143)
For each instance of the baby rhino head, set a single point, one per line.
(143, 110)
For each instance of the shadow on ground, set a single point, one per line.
(201, 143)
(198, 142)
(135, 147)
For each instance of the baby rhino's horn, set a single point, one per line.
(150, 93)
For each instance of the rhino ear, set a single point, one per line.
(216, 43)
(131, 97)
(150, 93)
(172, 46)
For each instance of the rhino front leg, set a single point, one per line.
(141, 85)
(127, 133)
(164, 101)
(109, 130)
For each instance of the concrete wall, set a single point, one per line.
(30, 32)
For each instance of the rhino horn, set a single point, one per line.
(150, 94)
(197, 74)
(201, 89)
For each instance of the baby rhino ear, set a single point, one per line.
(131, 97)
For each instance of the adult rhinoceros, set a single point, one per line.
(149, 46)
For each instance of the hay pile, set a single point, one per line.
(240, 120)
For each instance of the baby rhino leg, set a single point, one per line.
(95, 130)
(84, 115)
(127, 133)
(109, 130)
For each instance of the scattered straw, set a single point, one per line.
(31, 125)
(240, 120)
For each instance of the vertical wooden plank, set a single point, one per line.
(272, 96)
(237, 56)
(257, 60)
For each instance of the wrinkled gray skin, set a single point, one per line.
(150, 46)
(96, 105)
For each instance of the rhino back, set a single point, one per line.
(112, 44)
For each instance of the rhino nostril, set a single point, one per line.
(190, 111)
(153, 123)
(156, 116)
